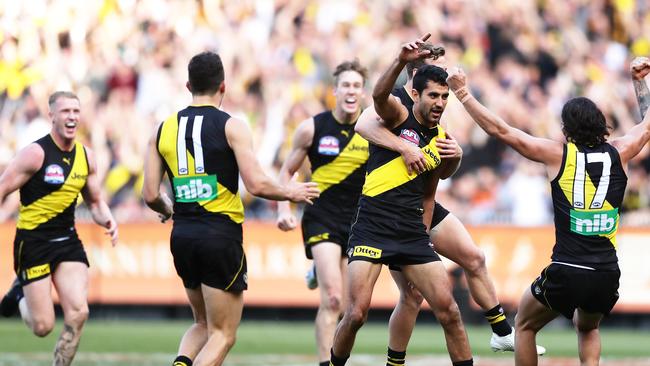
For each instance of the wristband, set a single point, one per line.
(463, 95)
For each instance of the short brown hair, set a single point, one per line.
(353, 65)
(437, 51)
(60, 94)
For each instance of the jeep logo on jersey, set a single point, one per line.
(593, 222)
(194, 189)
(54, 174)
(328, 145)
(410, 136)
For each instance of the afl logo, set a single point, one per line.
(328, 145)
(410, 136)
(54, 174)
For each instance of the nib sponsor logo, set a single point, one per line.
(194, 189)
(593, 222)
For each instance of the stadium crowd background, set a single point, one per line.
(127, 60)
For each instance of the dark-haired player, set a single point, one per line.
(203, 151)
(389, 227)
(588, 179)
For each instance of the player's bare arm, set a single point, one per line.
(429, 199)
(534, 148)
(301, 143)
(451, 154)
(630, 144)
(374, 129)
(91, 193)
(153, 175)
(639, 68)
(256, 181)
(387, 107)
(26, 163)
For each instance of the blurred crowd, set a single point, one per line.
(126, 59)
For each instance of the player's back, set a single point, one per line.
(202, 168)
(587, 195)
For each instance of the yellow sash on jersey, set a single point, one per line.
(51, 205)
(394, 173)
(350, 159)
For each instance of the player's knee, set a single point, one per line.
(42, 327)
(230, 340)
(411, 299)
(475, 262)
(357, 317)
(447, 313)
(333, 303)
(584, 327)
(523, 323)
(77, 317)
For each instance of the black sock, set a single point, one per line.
(394, 358)
(182, 361)
(337, 361)
(498, 321)
(469, 362)
(324, 363)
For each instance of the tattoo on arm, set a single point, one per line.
(642, 96)
(66, 346)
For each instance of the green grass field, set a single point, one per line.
(274, 343)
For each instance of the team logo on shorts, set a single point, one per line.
(328, 145)
(54, 174)
(537, 290)
(365, 251)
(410, 136)
(245, 278)
(37, 271)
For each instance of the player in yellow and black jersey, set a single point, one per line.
(203, 151)
(50, 174)
(338, 159)
(395, 204)
(588, 179)
(449, 236)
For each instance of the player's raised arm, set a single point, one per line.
(639, 68)
(387, 107)
(537, 149)
(630, 144)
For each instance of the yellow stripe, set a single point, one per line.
(227, 203)
(498, 318)
(51, 205)
(394, 173)
(241, 265)
(350, 159)
(20, 254)
(388, 362)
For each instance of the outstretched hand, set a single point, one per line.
(302, 192)
(640, 67)
(411, 51)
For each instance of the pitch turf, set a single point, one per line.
(122, 342)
